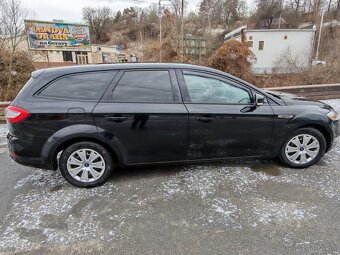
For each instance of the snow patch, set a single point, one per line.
(3, 134)
(335, 103)
(55, 212)
(281, 212)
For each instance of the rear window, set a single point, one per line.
(144, 86)
(89, 86)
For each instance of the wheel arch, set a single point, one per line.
(116, 156)
(323, 130)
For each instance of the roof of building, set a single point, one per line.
(237, 32)
(281, 30)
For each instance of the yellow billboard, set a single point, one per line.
(45, 35)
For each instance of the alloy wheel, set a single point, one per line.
(302, 149)
(86, 165)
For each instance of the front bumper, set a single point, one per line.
(336, 133)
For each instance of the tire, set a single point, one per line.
(94, 170)
(314, 150)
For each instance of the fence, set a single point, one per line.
(316, 92)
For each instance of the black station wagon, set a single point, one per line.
(88, 120)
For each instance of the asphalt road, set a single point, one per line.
(252, 207)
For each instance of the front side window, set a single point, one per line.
(203, 89)
(89, 86)
(144, 86)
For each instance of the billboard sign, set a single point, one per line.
(44, 35)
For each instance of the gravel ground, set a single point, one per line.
(252, 207)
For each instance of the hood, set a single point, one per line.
(292, 99)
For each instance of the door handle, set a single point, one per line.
(205, 119)
(117, 119)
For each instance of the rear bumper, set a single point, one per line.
(16, 150)
(32, 162)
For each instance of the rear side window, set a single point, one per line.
(144, 86)
(89, 86)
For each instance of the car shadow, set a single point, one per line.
(269, 167)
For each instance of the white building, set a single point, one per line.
(283, 50)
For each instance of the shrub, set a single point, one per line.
(235, 58)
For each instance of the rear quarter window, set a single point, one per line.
(88, 86)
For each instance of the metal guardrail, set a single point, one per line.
(317, 92)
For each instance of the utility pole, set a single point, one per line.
(142, 45)
(182, 29)
(319, 39)
(160, 30)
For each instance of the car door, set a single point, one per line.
(223, 121)
(143, 116)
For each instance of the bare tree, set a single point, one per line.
(175, 7)
(293, 10)
(206, 9)
(295, 5)
(12, 15)
(316, 8)
(98, 19)
(268, 10)
(232, 10)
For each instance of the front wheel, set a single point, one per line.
(303, 148)
(86, 164)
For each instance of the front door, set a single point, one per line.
(142, 115)
(222, 120)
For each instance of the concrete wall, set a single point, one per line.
(97, 52)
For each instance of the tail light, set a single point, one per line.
(15, 114)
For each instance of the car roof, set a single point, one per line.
(122, 66)
(126, 66)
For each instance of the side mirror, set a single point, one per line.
(259, 100)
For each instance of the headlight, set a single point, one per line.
(333, 115)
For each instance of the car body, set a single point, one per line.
(156, 113)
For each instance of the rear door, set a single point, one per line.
(143, 116)
(222, 120)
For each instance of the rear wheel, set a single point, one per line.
(303, 148)
(86, 164)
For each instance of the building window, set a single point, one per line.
(261, 45)
(285, 37)
(250, 44)
(250, 37)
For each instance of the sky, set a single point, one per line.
(70, 10)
